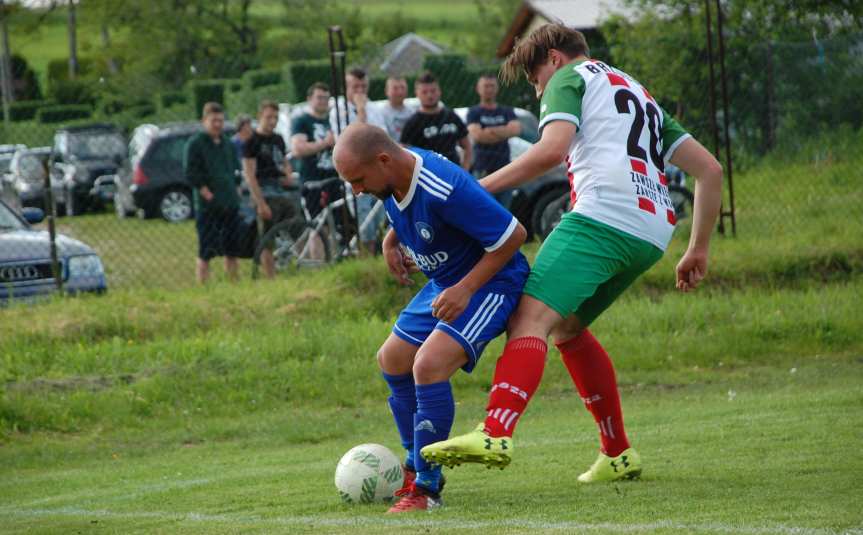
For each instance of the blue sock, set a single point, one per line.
(432, 423)
(403, 403)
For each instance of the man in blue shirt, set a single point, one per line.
(445, 225)
(490, 126)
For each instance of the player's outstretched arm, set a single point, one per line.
(698, 162)
(450, 303)
(548, 152)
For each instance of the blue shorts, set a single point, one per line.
(482, 321)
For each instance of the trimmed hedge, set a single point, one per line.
(73, 92)
(166, 99)
(302, 74)
(68, 112)
(58, 69)
(204, 91)
(262, 77)
(25, 110)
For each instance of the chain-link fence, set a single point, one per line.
(125, 209)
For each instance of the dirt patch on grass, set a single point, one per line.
(93, 383)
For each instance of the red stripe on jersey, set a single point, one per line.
(671, 217)
(646, 94)
(616, 79)
(638, 166)
(646, 204)
(662, 179)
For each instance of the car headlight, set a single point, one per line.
(85, 266)
(22, 186)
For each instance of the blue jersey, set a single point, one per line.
(447, 222)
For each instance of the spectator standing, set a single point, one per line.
(359, 110)
(244, 131)
(435, 127)
(394, 111)
(490, 126)
(312, 142)
(211, 166)
(267, 171)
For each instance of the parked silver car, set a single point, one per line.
(26, 178)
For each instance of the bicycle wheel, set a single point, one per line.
(680, 196)
(295, 245)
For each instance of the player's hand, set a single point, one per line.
(264, 211)
(691, 269)
(450, 303)
(330, 140)
(206, 194)
(399, 265)
(360, 101)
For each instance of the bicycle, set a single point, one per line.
(307, 241)
(679, 194)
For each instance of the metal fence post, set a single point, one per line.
(726, 120)
(48, 196)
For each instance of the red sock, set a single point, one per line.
(516, 378)
(593, 374)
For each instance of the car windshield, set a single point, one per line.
(8, 220)
(97, 146)
(5, 162)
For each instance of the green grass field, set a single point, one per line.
(770, 450)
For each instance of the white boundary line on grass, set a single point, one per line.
(311, 521)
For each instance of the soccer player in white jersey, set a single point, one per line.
(467, 244)
(615, 140)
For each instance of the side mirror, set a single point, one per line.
(33, 215)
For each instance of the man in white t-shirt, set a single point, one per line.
(359, 110)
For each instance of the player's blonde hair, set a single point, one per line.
(532, 51)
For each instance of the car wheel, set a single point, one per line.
(547, 211)
(175, 205)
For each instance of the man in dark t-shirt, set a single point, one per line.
(211, 167)
(436, 127)
(490, 126)
(267, 171)
(312, 141)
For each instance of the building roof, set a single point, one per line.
(578, 14)
(406, 54)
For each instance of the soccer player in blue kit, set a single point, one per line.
(447, 226)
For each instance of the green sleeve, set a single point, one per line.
(193, 164)
(561, 99)
(672, 134)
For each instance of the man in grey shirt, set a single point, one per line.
(394, 111)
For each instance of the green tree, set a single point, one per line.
(773, 49)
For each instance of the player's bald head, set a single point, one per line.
(362, 143)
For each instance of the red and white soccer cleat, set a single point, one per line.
(416, 499)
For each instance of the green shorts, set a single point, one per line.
(584, 265)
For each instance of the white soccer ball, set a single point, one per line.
(368, 473)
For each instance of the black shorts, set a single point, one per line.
(218, 232)
(317, 198)
(283, 207)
